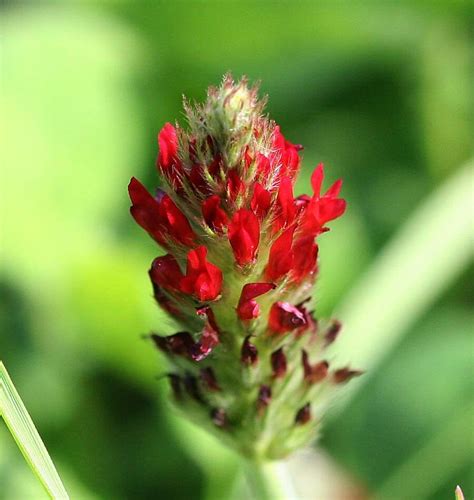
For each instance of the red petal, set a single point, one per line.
(285, 155)
(203, 279)
(165, 272)
(330, 209)
(263, 166)
(168, 144)
(196, 178)
(261, 201)
(317, 179)
(145, 210)
(280, 260)
(209, 340)
(285, 204)
(284, 317)
(244, 235)
(176, 222)
(248, 308)
(334, 190)
(305, 253)
(290, 161)
(235, 185)
(213, 214)
(278, 139)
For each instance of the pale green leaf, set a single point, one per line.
(27, 438)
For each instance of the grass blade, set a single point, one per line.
(27, 438)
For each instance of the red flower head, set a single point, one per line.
(203, 279)
(246, 331)
(244, 236)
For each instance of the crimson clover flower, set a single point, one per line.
(249, 360)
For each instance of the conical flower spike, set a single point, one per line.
(249, 359)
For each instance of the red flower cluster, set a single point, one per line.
(296, 221)
(241, 248)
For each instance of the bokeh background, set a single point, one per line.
(379, 91)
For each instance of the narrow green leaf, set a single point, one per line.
(27, 438)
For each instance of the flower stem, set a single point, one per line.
(269, 481)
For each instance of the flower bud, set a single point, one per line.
(345, 374)
(303, 415)
(278, 361)
(248, 307)
(248, 353)
(284, 318)
(314, 373)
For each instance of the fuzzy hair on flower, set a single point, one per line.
(249, 362)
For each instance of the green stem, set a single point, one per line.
(269, 481)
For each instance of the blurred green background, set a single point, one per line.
(379, 91)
